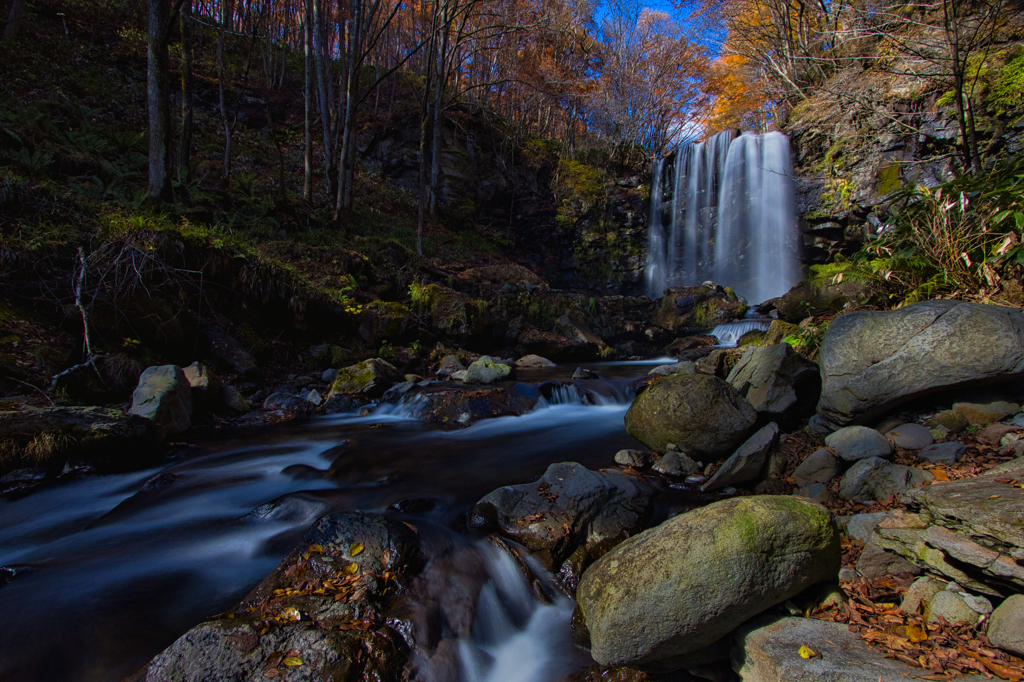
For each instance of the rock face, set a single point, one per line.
(569, 507)
(663, 597)
(165, 396)
(703, 415)
(368, 379)
(747, 462)
(315, 636)
(767, 650)
(873, 361)
(48, 436)
(776, 380)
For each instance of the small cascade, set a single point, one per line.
(723, 210)
(515, 637)
(729, 334)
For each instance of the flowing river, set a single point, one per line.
(104, 572)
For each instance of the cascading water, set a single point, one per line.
(723, 210)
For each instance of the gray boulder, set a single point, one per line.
(681, 367)
(1006, 626)
(776, 380)
(486, 371)
(567, 508)
(747, 462)
(702, 414)
(858, 442)
(874, 562)
(874, 361)
(677, 464)
(534, 362)
(910, 437)
(767, 650)
(816, 492)
(876, 479)
(984, 409)
(861, 526)
(165, 396)
(664, 597)
(943, 453)
(920, 593)
(638, 459)
(952, 607)
(820, 467)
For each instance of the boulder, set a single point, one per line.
(567, 508)
(534, 362)
(49, 436)
(874, 361)
(206, 387)
(806, 299)
(920, 594)
(778, 330)
(951, 607)
(681, 367)
(663, 597)
(875, 479)
(486, 371)
(943, 453)
(777, 381)
(368, 379)
(820, 467)
(767, 650)
(747, 462)
(456, 409)
(954, 420)
(855, 443)
(703, 415)
(321, 636)
(676, 464)
(165, 396)
(816, 492)
(985, 409)
(1006, 626)
(572, 326)
(910, 437)
(583, 373)
(861, 526)
(875, 562)
(638, 459)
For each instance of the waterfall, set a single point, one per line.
(723, 210)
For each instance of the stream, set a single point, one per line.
(104, 572)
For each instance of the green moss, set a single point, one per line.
(888, 180)
(704, 313)
(1007, 93)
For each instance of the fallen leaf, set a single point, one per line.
(352, 568)
(940, 475)
(292, 661)
(316, 548)
(916, 633)
(356, 549)
(808, 652)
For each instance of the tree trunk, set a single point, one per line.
(227, 10)
(159, 102)
(307, 45)
(14, 19)
(321, 63)
(187, 96)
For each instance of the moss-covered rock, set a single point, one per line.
(368, 379)
(487, 371)
(451, 313)
(663, 598)
(702, 414)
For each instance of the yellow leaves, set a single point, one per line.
(356, 549)
(352, 568)
(290, 614)
(916, 633)
(807, 652)
(315, 549)
(291, 661)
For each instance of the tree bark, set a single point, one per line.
(159, 101)
(187, 94)
(226, 12)
(14, 19)
(307, 44)
(321, 63)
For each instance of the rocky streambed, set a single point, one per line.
(509, 520)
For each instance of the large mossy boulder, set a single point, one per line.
(487, 370)
(663, 598)
(873, 361)
(451, 313)
(701, 414)
(164, 395)
(368, 379)
(568, 508)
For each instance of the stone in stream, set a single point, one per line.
(1006, 626)
(677, 464)
(873, 361)
(165, 396)
(534, 362)
(910, 437)
(368, 380)
(313, 635)
(820, 467)
(486, 370)
(681, 367)
(638, 459)
(665, 597)
(767, 650)
(777, 381)
(703, 415)
(858, 442)
(568, 507)
(747, 462)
